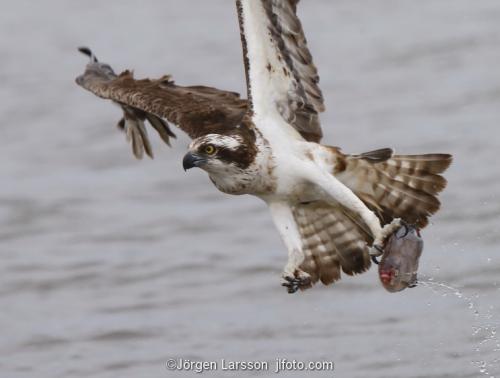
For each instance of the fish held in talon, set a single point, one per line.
(399, 264)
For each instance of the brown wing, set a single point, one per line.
(197, 110)
(279, 67)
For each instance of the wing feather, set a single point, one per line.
(161, 127)
(281, 75)
(333, 240)
(197, 110)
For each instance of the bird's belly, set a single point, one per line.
(288, 176)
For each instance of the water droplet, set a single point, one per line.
(484, 330)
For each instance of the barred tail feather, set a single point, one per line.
(399, 186)
(431, 163)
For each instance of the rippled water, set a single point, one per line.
(111, 266)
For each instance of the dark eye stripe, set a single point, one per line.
(241, 157)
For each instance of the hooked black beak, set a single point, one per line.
(192, 160)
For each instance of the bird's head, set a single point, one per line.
(219, 154)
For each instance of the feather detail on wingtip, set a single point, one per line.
(162, 127)
(86, 51)
(137, 134)
(132, 123)
(197, 110)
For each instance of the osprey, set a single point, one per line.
(332, 210)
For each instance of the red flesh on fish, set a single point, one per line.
(398, 267)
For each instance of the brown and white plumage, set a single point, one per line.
(394, 186)
(334, 241)
(329, 207)
(279, 66)
(397, 186)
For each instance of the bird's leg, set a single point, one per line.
(334, 191)
(387, 230)
(378, 245)
(294, 278)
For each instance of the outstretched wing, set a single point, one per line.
(281, 76)
(197, 110)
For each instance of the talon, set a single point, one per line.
(291, 287)
(374, 260)
(379, 250)
(300, 280)
(406, 229)
(413, 284)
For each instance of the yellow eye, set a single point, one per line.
(210, 150)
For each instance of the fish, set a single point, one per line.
(399, 264)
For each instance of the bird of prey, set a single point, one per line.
(332, 210)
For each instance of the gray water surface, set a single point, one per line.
(110, 266)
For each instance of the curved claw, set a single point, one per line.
(406, 230)
(293, 284)
(291, 287)
(377, 250)
(413, 284)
